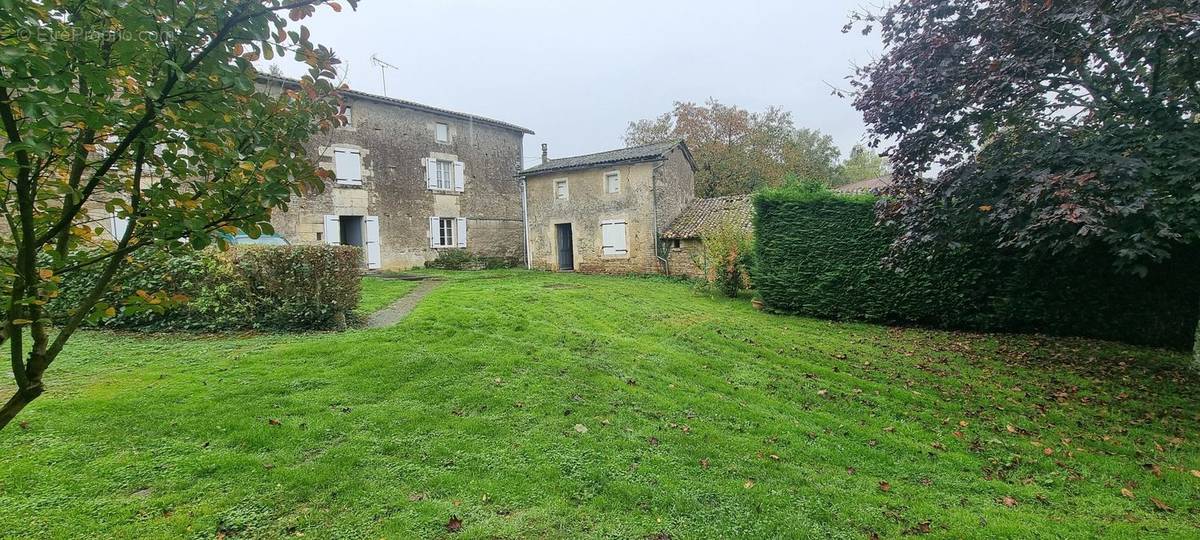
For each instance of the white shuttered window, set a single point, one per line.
(613, 239)
(347, 164)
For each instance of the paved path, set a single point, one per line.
(401, 308)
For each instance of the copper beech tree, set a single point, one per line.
(144, 114)
(1045, 127)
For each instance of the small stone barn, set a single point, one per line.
(685, 253)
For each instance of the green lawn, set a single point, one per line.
(535, 405)
(378, 293)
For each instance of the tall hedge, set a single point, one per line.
(818, 253)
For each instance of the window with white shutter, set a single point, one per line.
(612, 182)
(612, 236)
(347, 165)
(445, 176)
(447, 232)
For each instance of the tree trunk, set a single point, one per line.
(1196, 349)
(17, 402)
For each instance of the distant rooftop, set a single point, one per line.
(870, 185)
(633, 154)
(408, 104)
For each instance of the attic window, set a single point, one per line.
(675, 243)
(442, 133)
(560, 189)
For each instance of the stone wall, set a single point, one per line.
(394, 141)
(687, 259)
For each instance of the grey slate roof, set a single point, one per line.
(406, 104)
(704, 215)
(870, 185)
(633, 154)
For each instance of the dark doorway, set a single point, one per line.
(351, 230)
(566, 248)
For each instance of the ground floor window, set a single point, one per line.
(612, 235)
(447, 232)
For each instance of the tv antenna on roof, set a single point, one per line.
(383, 67)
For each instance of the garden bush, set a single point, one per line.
(273, 288)
(822, 254)
(301, 287)
(461, 259)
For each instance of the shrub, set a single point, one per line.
(160, 291)
(301, 287)
(461, 259)
(821, 254)
(726, 251)
(281, 288)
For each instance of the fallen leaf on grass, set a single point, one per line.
(1128, 493)
(1162, 506)
(417, 497)
(822, 392)
(1154, 469)
(749, 484)
(1048, 451)
(581, 428)
(274, 422)
(885, 487)
(704, 463)
(454, 525)
(653, 441)
(1195, 473)
(1008, 501)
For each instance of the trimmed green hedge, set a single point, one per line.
(820, 254)
(252, 287)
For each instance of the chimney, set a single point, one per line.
(545, 153)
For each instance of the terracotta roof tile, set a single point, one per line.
(703, 215)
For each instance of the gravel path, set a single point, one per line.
(392, 314)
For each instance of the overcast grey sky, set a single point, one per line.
(578, 72)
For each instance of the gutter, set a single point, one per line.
(525, 220)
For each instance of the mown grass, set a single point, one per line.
(378, 293)
(535, 405)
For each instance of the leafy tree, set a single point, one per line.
(862, 164)
(737, 150)
(1056, 125)
(145, 113)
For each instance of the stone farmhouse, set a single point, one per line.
(606, 212)
(411, 181)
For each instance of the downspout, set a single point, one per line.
(666, 267)
(525, 220)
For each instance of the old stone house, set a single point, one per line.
(686, 255)
(411, 181)
(606, 212)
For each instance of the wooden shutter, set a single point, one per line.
(371, 242)
(431, 173)
(347, 165)
(612, 237)
(333, 230)
(460, 178)
(433, 232)
(462, 232)
(118, 226)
